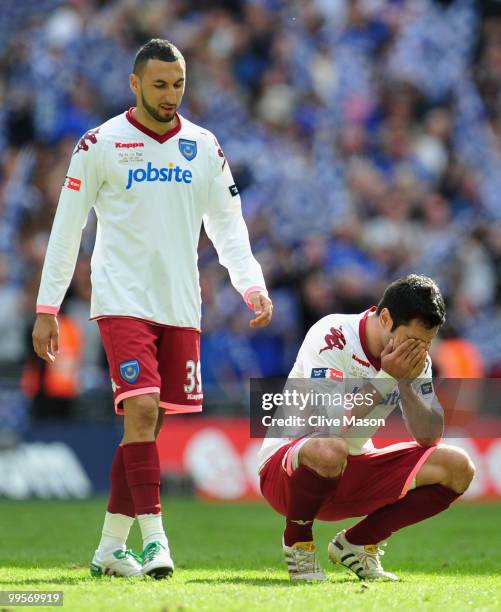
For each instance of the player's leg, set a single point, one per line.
(314, 475)
(448, 466)
(142, 465)
(442, 478)
(314, 467)
(111, 554)
(441, 475)
(123, 339)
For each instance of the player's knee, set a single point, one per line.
(460, 468)
(327, 456)
(142, 414)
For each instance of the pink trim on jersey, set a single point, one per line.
(134, 392)
(374, 361)
(415, 470)
(41, 309)
(99, 317)
(294, 448)
(249, 291)
(161, 138)
(171, 408)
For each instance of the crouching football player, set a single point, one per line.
(335, 478)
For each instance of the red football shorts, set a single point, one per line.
(370, 481)
(146, 357)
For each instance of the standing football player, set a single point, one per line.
(152, 177)
(343, 475)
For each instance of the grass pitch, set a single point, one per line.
(228, 557)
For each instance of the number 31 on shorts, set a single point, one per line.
(193, 377)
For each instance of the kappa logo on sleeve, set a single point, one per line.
(233, 190)
(72, 183)
(220, 152)
(426, 388)
(89, 137)
(334, 339)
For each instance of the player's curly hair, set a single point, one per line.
(414, 297)
(156, 48)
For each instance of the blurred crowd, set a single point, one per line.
(364, 136)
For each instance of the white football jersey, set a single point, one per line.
(335, 348)
(151, 194)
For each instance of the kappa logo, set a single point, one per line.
(114, 386)
(300, 522)
(335, 339)
(220, 152)
(361, 361)
(128, 145)
(88, 137)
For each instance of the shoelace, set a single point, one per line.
(371, 559)
(304, 560)
(129, 553)
(150, 551)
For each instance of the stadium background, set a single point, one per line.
(365, 139)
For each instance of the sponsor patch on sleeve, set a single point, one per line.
(335, 374)
(331, 373)
(233, 190)
(72, 183)
(426, 388)
(319, 372)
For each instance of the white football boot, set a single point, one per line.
(302, 562)
(157, 561)
(118, 562)
(362, 560)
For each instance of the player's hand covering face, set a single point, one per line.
(407, 349)
(262, 307)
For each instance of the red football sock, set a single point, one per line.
(142, 467)
(120, 501)
(418, 505)
(307, 492)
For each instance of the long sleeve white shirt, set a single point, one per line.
(151, 194)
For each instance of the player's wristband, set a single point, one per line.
(251, 290)
(42, 309)
(384, 383)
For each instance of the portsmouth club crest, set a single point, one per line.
(188, 148)
(129, 370)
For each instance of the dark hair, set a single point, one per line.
(413, 297)
(156, 48)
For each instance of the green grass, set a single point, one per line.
(229, 557)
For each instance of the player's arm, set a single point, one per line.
(227, 230)
(78, 194)
(422, 412)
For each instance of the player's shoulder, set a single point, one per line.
(110, 131)
(333, 331)
(195, 131)
(202, 136)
